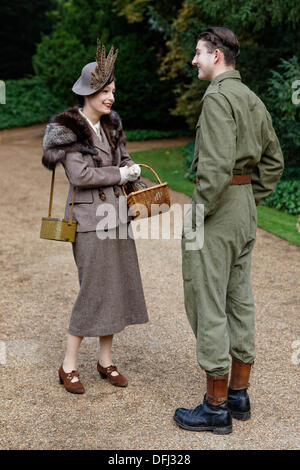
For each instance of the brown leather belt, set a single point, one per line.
(241, 179)
(236, 179)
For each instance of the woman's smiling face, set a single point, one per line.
(102, 101)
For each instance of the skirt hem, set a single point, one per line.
(106, 333)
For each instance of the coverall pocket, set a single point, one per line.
(186, 260)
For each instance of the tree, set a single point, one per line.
(141, 98)
(267, 32)
(285, 109)
(21, 27)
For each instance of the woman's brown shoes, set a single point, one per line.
(117, 380)
(66, 379)
(105, 372)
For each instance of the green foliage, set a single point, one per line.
(36, 104)
(281, 224)
(28, 101)
(141, 98)
(285, 113)
(291, 173)
(189, 102)
(133, 10)
(146, 134)
(188, 156)
(58, 62)
(168, 163)
(285, 197)
(159, 13)
(267, 31)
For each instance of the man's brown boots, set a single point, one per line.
(238, 398)
(216, 389)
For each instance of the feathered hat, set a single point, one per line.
(95, 74)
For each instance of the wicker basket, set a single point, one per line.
(149, 201)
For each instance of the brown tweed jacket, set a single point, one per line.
(90, 166)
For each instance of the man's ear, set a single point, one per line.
(218, 56)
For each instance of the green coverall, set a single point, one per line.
(234, 136)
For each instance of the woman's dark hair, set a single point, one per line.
(223, 39)
(80, 100)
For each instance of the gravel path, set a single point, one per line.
(38, 287)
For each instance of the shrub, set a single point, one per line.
(285, 113)
(291, 174)
(188, 156)
(285, 197)
(58, 62)
(142, 99)
(146, 134)
(28, 101)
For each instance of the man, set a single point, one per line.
(238, 162)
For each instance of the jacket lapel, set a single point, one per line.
(103, 144)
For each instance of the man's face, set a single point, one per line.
(204, 60)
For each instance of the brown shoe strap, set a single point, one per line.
(71, 375)
(216, 388)
(110, 369)
(240, 373)
(211, 398)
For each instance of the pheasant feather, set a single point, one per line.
(104, 67)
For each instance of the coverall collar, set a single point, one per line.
(235, 74)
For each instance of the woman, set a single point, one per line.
(90, 144)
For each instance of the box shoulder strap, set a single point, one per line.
(51, 198)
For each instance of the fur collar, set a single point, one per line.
(67, 131)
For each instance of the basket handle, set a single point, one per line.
(149, 167)
(51, 198)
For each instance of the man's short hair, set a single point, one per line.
(223, 39)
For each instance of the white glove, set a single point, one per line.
(129, 173)
(135, 170)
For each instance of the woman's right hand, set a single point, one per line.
(128, 174)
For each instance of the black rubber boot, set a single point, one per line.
(205, 417)
(239, 404)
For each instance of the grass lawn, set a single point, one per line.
(168, 164)
(281, 224)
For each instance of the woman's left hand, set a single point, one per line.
(135, 171)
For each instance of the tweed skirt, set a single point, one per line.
(111, 293)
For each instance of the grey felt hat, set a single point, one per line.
(83, 85)
(96, 74)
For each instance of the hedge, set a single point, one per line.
(28, 101)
